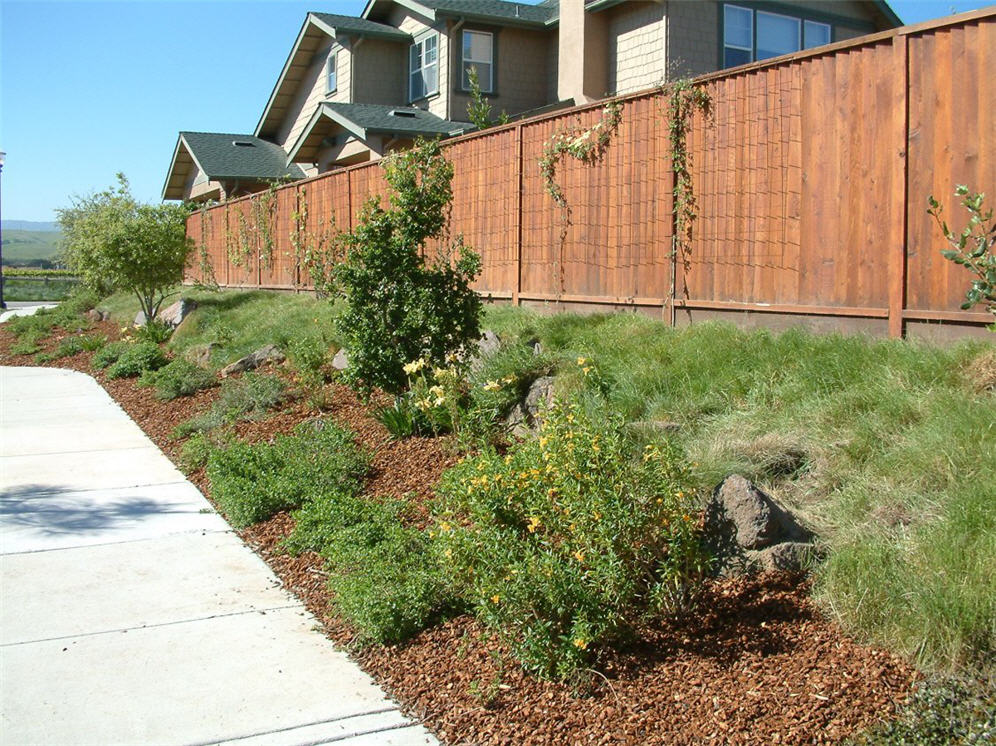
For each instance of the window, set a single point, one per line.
(331, 74)
(816, 34)
(478, 53)
(750, 35)
(424, 68)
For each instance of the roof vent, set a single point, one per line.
(243, 144)
(402, 113)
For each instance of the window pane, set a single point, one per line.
(733, 57)
(415, 58)
(776, 35)
(737, 27)
(332, 82)
(476, 47)
(417, 88)
(431, 77)
(817, 34)
(483, 76)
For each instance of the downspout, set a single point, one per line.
(666, 71)
(449, 69)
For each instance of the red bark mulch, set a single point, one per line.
(758, 663)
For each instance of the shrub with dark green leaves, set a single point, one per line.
(565, 541)
(74, 345)
(136, 359)
(400, 307)
(154, 331)
(254, 482)
(109, 353)
(179, 377)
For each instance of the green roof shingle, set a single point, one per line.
(402, 120)
(361, 26)
(227, 156)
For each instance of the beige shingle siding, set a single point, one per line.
(417, 25)
(521, 80)
(381, 69)
(312, 91)
(636, 46)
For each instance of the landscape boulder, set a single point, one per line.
(747, 530)
(486, 346)
(96, 315)
(341, 360)
(262, 356)
(171, 316)
(525, 414)
(201, 354)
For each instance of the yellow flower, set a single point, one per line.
(581, 361)
(543, 441)
(597, 515)
(534, 523)
(581, 644)
(444, 527)
(495, 598)
(508, 459)
(440, 401)
(509, 379)
(492, 386)
(579, 556)
(451, 357)
(596, 448)
(448, 553)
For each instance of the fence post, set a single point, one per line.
(349, 199)
(518, 216)
(898, 228)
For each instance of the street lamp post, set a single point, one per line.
(3, 157)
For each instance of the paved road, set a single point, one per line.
(129, 611)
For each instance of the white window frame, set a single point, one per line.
(332, 73)
(490, 87)
(412, 73)
(753, 41)
(802, 20)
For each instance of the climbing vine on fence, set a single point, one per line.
(204, 263)
(683, 100)
(254, 233)
(318, 251)
(585, 145)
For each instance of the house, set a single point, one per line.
(355, 88)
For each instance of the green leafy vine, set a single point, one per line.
(316, 252)
(683, 100)
(204, 263)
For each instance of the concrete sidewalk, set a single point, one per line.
(129, 611)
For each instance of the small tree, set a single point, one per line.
(115, 243)
(400, 307)
(974, 248)
(479, 108)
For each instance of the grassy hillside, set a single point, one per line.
(21, 247)
(886, 448)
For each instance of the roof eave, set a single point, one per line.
(172, 167)
(283, 74)
(888, 12)
(417, 7)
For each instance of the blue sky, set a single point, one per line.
(88, 89)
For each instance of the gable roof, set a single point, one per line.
(226, 157)
(494, 11)
(364, 120)
(316, 29)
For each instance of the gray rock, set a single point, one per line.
(96, 315)
(172, 316)
(525, 415)
(486, 346)
(341, 360)
(268, 354)
(790, 556)
(176, 313)
(201, 354)
(757, 520)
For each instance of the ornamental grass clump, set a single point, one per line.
(564, 542)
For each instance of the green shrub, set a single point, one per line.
(245, 398)
(309, 356)
(195, 452)
(28, 343)
(154, 331)
(943, 711)
(109, 354)
(136, 359)
(179, 377)
(74, 345)
(399, 307)
(253, 482)
(562, 543)
(385, 580)
(432, 404)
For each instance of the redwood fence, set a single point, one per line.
(811, 177)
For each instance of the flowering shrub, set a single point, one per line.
(563, 542)
(432, 403)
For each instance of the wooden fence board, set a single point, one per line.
(811, 178)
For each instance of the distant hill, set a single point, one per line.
(28, 225)
(30, 248)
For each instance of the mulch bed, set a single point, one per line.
(758, 663)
